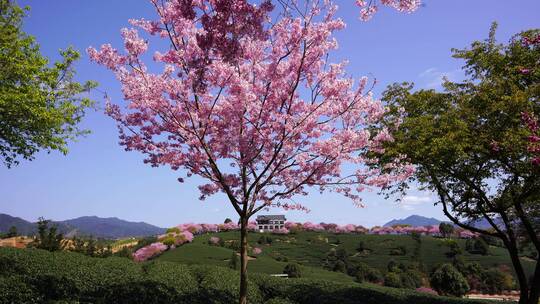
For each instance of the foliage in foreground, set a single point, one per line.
(37, 276)
(40, 105)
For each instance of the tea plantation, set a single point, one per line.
(310, 249)
(37, 276)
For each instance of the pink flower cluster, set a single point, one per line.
(197, 229)
(533, 139)
(368, 10)
(257, 251)
(531, 41)
(328, 227)
(149, 251)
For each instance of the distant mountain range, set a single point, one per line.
(414, 220)
(98, 227)
(418, 220)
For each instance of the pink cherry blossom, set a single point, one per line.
(245, 109)
(257, 251)
(533, 140)
(368, 9)
(149, 251)
(281, 231)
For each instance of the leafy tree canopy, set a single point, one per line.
(471, 145)
(40, 104)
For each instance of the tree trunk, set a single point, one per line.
(520, 274)
(243, 260)
(534, 294)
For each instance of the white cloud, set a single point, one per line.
(408, 202)
(432, 78)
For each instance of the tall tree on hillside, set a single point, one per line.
(250, 103)
(446, 229)
(12, 232)
(40, 105)
(48, 237)
(470, 146)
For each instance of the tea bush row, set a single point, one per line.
(37, 276)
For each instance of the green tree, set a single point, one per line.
(227, 220)
(411, 279)
(48, 238)
(292, 270)
(448, 281)
(453, 248)
(40, 105)
(469, 144)
(91, 247)
(495, 281)
(446, 229)
(12, 232)
(79, 245)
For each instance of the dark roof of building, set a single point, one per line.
(270, 217)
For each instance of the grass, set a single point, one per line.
(309, 249)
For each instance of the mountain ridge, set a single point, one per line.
(414, 220)
(91, 225)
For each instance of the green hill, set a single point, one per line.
(309, 249)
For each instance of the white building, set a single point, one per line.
(270, 222)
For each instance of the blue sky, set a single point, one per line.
(99, 178)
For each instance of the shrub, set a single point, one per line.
(278, 301)
(401, 250)
(173, 230)
(411, 279)
(364, 273)
(292, 270)
(265, 239)
(477, 246)
(13, 289)
(447, 280)
(340, 266)
(392, 266)
(495, 281)
(233, 262)
(392, 279)
(234, 245)
(168, 241)
(453, 248)
(361, 246)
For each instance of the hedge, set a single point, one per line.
(37, 276)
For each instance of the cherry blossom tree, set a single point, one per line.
(251, 102)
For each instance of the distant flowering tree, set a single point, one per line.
(251, 103)
(147, 252)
